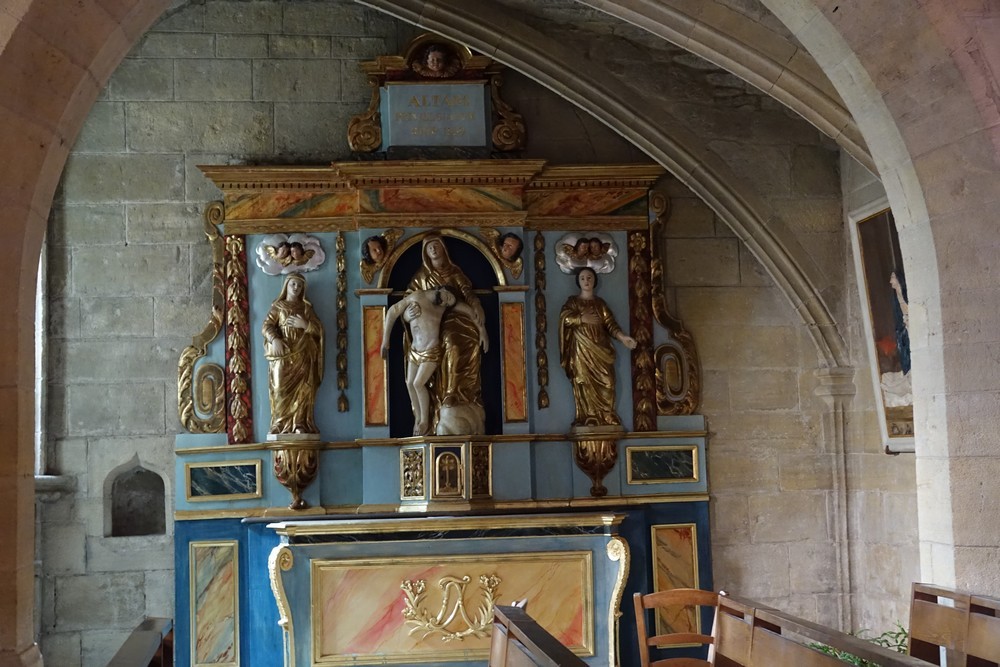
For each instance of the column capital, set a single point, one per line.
(836, 382)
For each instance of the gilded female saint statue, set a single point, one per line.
(586, 352)
(293, 345)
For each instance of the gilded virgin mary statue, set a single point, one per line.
(293, 345)
(456, 386)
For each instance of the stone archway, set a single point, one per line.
(922, 88)
(56, 58)
(936, 152)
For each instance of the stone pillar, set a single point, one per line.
(836, 387)
(17, 457)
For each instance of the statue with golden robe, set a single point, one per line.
(586, 353)
(293, 345)
(456, 386)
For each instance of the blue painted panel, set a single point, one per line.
(636, 531)
(511, 477)
(262, 637)
(186, 532)
(341, 484)
(381, 475)
(553, 470)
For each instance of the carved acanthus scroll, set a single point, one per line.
(678, 383)
(205, 391)
(239, 421)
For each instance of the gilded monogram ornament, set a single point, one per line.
(452, 622)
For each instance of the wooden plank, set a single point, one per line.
(732, 637)
(770, 649)
(983, 642)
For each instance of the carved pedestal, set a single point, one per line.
(595, 451)
(296, 463)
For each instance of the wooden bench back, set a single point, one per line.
(964, 626)
(751, 635)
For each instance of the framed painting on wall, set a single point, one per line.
(885, 309)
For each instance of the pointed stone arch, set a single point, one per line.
(596, 90)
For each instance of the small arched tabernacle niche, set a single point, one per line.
(137, 503)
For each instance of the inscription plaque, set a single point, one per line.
(438, 114)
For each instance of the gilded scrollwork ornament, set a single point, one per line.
(618, 551)
(364, 131)
(678, 383)
(281, 559)
(482, 471)
(204, 391)
(595, 451)
(412, 473)
(509, 132)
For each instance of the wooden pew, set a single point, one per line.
(748, 634)
(964, 626)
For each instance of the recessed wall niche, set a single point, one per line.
(137, 502)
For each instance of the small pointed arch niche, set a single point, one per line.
(134, 501)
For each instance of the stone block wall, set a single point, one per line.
(228, 81)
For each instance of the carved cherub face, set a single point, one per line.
(436, 60)
(510, 248)
(596, 248)
(375, 250)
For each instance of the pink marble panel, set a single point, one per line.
(359, 605)
(675, 563)
(290, 204)
(214, 613)
(582, 202)
(514, 371)
(462, 199)
(375, 388)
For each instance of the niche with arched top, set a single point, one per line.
(138, 505)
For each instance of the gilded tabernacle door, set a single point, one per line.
(429, 386)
